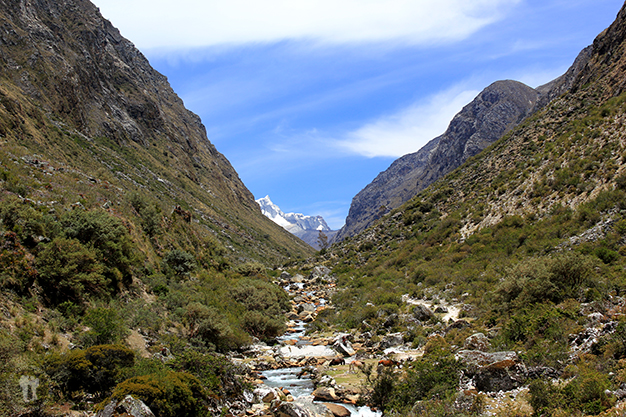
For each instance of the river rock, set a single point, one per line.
(306, 307)
(338, 410)
(325, 394)
(129, 407)
(344, 347)
(266, 394)
(320, 271)
(477, 341)
(422, 313)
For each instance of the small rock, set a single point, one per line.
(422, 313)
(128, 407)
(477, 341)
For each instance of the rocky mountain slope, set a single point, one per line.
(77, 95)
(527, 240)
(307, 228)
(496, 110)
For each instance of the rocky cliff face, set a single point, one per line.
(495, 111)
(67, 75)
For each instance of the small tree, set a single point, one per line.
(322, 241)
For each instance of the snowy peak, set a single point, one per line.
(293, 222)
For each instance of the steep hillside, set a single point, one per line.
(508, 272)
(491, 114)
(78, 96)
(127, 241)
(495, 111)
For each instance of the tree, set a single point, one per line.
(322, 241)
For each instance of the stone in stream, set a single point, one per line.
(325, 394)
(338, 410)
(309, 308)
(291, 410)
(343, 347)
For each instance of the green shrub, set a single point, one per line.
(208, 325)
(179, 263)
(95, 370)
(107, 236)
(173, 394)
(106, 326)
(586, 393)
(70, 271)
(218, 375)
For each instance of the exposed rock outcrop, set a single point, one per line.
(490, 115)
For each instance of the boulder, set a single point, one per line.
(477, 341)
(266, 394)
(290, 410)
(390, 321)
(325, 394)
(459, 324)
(286, 276)
(320, 271)
(500, 376)
(478, 358)
(128, 407)
(309, 308)
(391, 340)
(338, 410)
(344, 347)
(422, 313)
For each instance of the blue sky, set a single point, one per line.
(311, 99)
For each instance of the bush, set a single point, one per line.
(70, 271)
(586, 393)
(95, 370)
(179, 263)
(107, 236)
(172, 394)
(208, 325)
(218, 375)
(107, 326)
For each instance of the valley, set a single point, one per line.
(140, 277)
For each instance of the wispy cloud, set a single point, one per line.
(409, 129)
(187, 23)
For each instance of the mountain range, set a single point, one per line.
(307, 228)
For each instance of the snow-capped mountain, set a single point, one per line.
(306, 228)
(293, 222)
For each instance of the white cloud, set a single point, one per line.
(410, 129)
(194, 23)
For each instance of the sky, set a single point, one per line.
(311, 99)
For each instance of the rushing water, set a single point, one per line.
(302, 387)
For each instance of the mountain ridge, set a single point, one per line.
(307, 228)
(72, 81)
